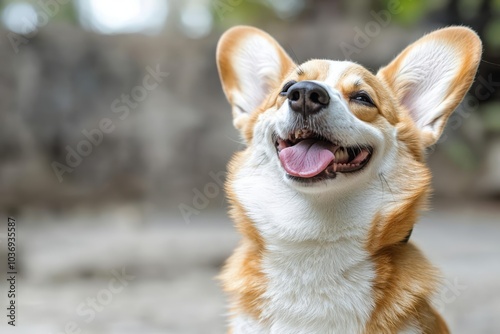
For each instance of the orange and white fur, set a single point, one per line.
(332, 181)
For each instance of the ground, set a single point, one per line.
(168, 267)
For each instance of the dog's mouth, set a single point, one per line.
(308, 156)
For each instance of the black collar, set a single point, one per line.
(407, 238)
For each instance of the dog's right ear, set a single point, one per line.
(251, 64)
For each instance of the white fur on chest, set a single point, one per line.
(322, 288)
(319, 275)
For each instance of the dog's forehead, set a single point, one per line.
(333, 72)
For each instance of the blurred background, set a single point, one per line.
(115, 134)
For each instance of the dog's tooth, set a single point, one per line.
(298, 133)
(341, 156)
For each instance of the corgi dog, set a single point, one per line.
(332, 181)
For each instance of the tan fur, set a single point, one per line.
(405, 281)
(374, 87)
(388, 228)
(465, 42)
(242, 275)
(226, 48)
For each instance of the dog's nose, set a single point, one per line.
(307, 97)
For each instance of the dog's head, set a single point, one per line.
(324, 128)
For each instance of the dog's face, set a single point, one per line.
(331, 126)
(330, 141)
(328, 125)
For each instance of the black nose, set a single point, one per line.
(307, 97)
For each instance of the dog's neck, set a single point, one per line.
(315, 251)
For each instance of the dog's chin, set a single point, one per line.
(309, 160)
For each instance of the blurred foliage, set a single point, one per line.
(492, 34)
(246, 12)
(491, 116)
(66, 12)
(468, 9)
(461, 154)
(412, 11)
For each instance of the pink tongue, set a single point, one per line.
(308, 158)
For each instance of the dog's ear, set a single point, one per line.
(431, 77)
(251, 64)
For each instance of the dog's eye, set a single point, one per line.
(286, 87)
(362, 97)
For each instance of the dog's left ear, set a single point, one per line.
(431, 77)
(251, 64)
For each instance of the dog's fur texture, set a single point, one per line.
(328, 256)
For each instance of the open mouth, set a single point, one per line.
(307, 156)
